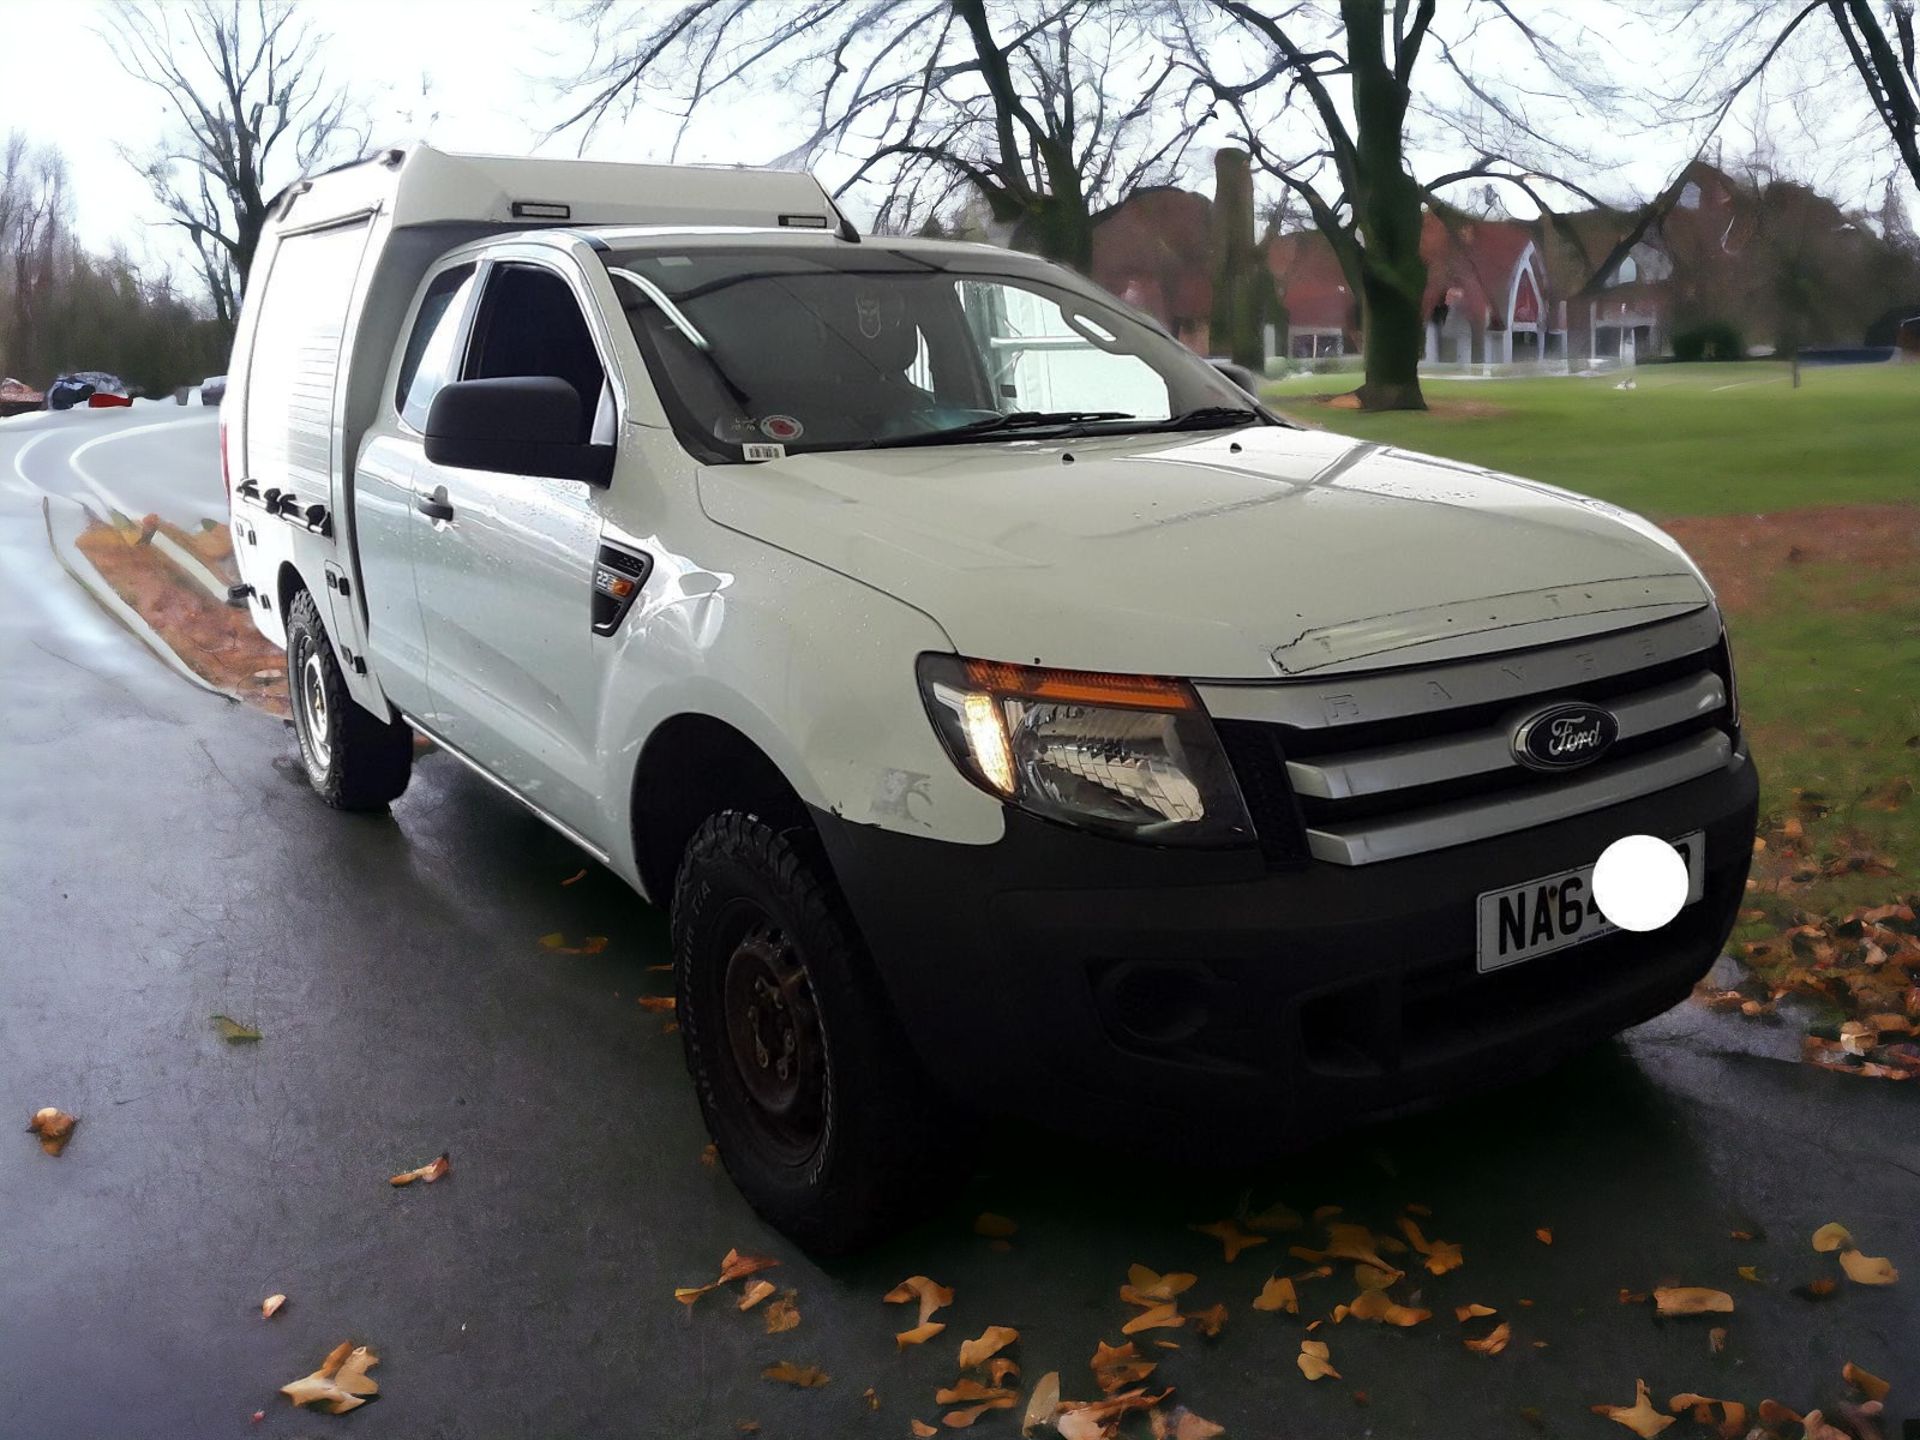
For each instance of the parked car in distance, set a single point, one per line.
(213, 389)
(1011, 713)
(17, 398)
(95, 389)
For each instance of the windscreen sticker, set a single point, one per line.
(763, 452)
(782, 428)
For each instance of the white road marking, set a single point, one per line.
(20, 465)
(92, 481)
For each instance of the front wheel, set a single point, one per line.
(809, 1087)
(356, 760)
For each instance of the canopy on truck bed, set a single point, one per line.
(424, 186)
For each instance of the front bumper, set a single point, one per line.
(1118, 991)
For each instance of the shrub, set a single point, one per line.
(1715, 340)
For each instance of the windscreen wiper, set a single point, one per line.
(1212, 417)
(996, 424)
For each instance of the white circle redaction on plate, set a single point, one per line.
(1640, 882)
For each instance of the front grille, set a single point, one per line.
(1371, 774)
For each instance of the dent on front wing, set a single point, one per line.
(1491, 622)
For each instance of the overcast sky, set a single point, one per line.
(478, 75)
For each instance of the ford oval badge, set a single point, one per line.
(1563, 737)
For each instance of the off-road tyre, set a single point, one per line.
(869, 1146)
(356, 760)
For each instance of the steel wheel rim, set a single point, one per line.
(314, 714)
(774, 1039)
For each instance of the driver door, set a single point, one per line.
(504, 564)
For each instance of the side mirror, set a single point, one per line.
(516, 425)
(1239, 374)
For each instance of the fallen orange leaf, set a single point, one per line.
(1160, 1317)
(1372, 1277)
(1278, 1294)
(1181, 1423)
(922, 1429)
(756, 1292)
(1544, 1236)
(1831, 1237)
(965, 1391)
(782, 1314)
(931, 1295)
(431, 1171)
(340, 1384)
(1209, 1322)
(270, 1306)
(1115, 1366)
(1421, 1210)
(1375, 1305)
(1639, 1417)
(1276, 1217)
(989, 1343)
(1749, 1273)
(1867, 1269)
(656, 1003)
(557, 942)
(1146, 1288)
(1326, 1212)
(801, 1377)
(1871, 1385)
(919, 1334)
(1733, 1415)
(1716, 1339)
(1464, 1313)
(575, 878)
(995, 1227)
(1440, 1256)
(1315, 1361)
(736, 1266)
(1493, 1342)
(54, 1127)
(1231, 1237)
(1001, 1369)
(1772, 1412)
(1691, 1300)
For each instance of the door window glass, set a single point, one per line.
(530, 324)
(430, 358)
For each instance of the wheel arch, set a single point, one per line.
(693, 766)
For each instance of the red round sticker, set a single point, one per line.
(781, 427)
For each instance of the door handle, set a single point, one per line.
(434, 506)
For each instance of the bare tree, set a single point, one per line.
(1049, 110)
(251, 109)
(1356, 77)
(1868, 42)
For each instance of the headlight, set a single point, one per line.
(1126, 755)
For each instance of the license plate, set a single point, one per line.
(1558, 911)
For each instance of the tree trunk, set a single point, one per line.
(1395, 339)
(1386, 217)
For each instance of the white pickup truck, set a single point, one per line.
(1012, 713)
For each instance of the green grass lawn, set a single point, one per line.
(1690, 440)
(1828, 650)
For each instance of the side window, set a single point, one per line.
(530, 324)
(429, 359)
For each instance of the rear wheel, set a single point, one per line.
(815, 1101)
(355, 760)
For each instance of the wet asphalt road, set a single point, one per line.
(161, 861)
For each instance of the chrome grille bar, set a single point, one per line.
(1436, 827)
(1487, 750)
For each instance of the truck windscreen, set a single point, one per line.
(853, 348)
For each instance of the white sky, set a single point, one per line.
(476, 75)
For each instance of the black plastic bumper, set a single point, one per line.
(1116, 990)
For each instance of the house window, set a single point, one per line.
(1628, 272)
(1689, 196)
